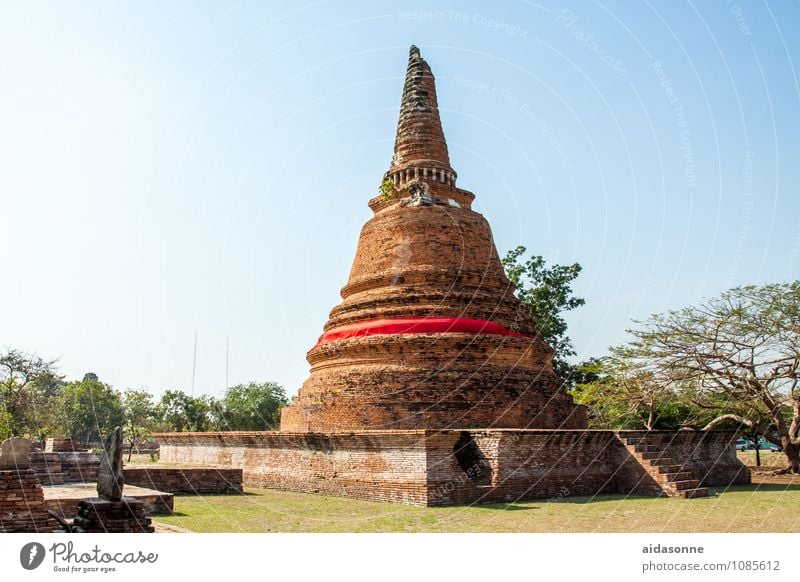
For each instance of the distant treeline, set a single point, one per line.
(35, 401)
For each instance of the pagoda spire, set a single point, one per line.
(420, 149)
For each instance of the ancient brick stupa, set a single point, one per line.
(429, 333)
(430, 384)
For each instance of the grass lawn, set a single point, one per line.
(756, 508)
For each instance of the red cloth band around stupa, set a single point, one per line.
(415, 325)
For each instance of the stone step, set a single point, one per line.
(679, 476)
(647, 448)
(650, 456)
(664, 469)
(693, 493)
(662, 461)
(685, 484)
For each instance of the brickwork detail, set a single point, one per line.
(62, 445)
(57, 468)
(22, 507)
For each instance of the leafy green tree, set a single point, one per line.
(90, 409)
(5, 425)
(252, 406)
(740, 350)
(27, 385)
(547, 291)
(140, 416)
(179, 412)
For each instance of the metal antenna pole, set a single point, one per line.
(194, 362)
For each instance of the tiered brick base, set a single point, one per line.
(62, 445)
(47, 467)
(441, 467)
(22, 507)
(103, 516)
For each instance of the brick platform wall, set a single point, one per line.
(47, 467)
(79, 467)
(519, 465)
(22, 507)
(452, 467)
(380, 466)
(188, 480)
(62, 445)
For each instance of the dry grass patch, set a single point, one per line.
(768, 459)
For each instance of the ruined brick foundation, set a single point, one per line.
(22, 506)
(445, 467)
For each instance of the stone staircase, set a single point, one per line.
(671, 477)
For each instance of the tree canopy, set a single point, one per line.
(27, 382)
(252, 406)
(547, 291)
(89, 408)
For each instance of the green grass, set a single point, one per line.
(763, 508)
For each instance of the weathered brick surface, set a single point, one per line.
(188, 480)
(22, 507)
(442, 467)
(55, 468)
(420, 139)
(381, 466)
(47, 467)
(62, 445)
(80, 467)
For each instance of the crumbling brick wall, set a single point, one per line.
(22, 507)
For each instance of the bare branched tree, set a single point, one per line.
(622, 388)
(743, 349)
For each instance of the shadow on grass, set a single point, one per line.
(539, 503)
(513, 506)
(759, 487)
(219, 495)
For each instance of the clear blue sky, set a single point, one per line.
(176, 167)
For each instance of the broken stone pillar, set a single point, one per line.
(111, 512)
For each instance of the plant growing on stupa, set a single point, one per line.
(387, 190)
